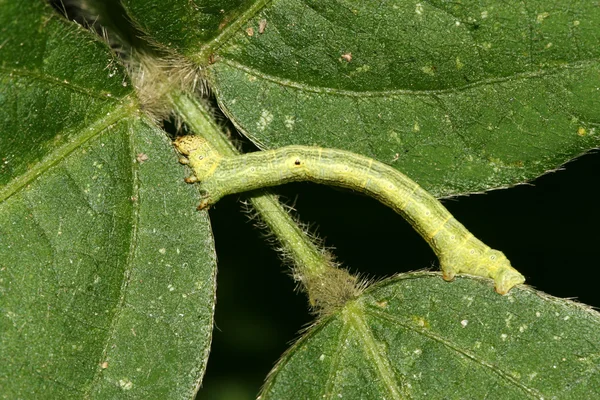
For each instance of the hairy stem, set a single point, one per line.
(327, 285)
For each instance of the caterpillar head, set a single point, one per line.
(201, 156)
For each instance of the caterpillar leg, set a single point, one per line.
(207, 198)
(203, 204)
(488, 264)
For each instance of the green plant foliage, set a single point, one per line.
(102, 294)
(190, 27)
(418, 337)
(461, 96)
(107, 271)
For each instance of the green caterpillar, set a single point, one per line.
(457, 249)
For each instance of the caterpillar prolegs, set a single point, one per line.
(457, 249)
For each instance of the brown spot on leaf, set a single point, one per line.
(141, 157)
(347, 56)
(262, 25)
(382, 303)
(250, 31)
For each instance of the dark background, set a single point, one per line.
(548, 229)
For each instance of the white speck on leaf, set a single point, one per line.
(507, 320)
(125, 384)
(541, 17)
(322, 357)
(459, 64)
(141, 157)
(419, 9)
(504, 336)
(532, 375)
(262, 25)
(265, 119)
(289, 122)
(464, 322)
(428, 69)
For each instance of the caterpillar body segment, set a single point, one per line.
(457, 249)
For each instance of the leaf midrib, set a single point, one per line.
(125, 109)
(133, 244)
(522, 76)
(355, 318)
(202, 57)
(56, 81)
(529, 391)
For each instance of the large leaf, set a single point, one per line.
(106, 271)
(462, 96)
(418, 337)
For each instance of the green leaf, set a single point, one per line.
(416, 336)
(461, 96)
(190, 27)
(106, 271)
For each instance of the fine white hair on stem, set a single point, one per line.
(330, 289)
(155, 79)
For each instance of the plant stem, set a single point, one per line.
(327, 285)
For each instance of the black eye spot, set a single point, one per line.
(297, 162)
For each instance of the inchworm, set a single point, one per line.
(457, 249)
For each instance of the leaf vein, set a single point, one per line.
(55, 81)
(541, 73)
(203, 55)
(63, 151)
(133, 244)
(373, 352)
(531, 392)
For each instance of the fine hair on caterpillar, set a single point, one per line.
(456, 248)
